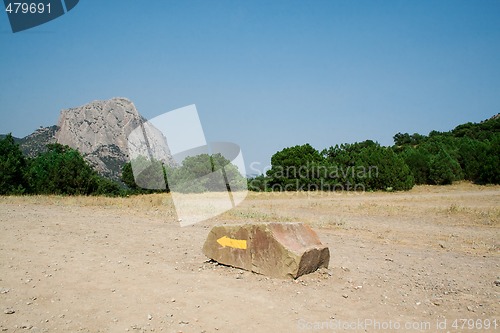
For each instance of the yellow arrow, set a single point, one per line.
(235, 243)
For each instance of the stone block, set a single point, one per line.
(274, 249)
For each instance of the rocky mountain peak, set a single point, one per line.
(99, 130)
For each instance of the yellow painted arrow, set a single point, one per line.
(230, 242)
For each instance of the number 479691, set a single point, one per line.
(25, 8)
(478, 324)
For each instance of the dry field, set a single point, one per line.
(419, 261)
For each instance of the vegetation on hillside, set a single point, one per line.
(63, 170)
(12, 167)
(348, 167)
(197, 174)
(468, 152)
(59, 170)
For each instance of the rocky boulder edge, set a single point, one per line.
(277, 250)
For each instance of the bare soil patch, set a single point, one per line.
(411, 260)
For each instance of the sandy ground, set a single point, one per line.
(420, 261)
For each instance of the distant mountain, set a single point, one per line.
(485, 130)
(99, 131)
(2, 136)
(495, 117)
(36, 142)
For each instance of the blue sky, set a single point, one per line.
(263, 74)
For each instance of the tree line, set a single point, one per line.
(62, 170)
(58, 170)
(196, 174)
(468, 152)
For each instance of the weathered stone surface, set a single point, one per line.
(99, 130)
(36, 143)
(273, 249)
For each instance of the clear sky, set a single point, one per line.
(263, 74)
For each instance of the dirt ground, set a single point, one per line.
(426, 260)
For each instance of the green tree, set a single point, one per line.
(12, 167)
(467, 152)
(230, 172)
(150, 175)
(296, 168)
(196, 174)
(483, 131)
(444, 169)
(107, 187)
(402, 139)
(258, 183)
(391, 170)
(127, 176)
(471, 155)
(204, 172)
(61, 170)
(418, 161)
(489, 170)
(369, 166)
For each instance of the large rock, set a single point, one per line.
(99, 131)
(273, 249)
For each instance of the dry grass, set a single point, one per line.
(151, 204)
(462, 216)
(138, 201)
(462, 203)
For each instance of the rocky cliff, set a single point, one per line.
(36, 143)
(99, 131)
